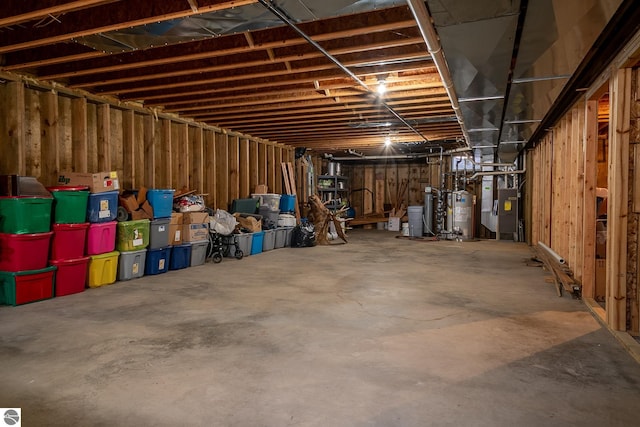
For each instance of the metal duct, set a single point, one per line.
(428, 32)
(285, 18)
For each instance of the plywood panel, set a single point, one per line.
(391, 183)
(278, 170)
(370, 185)
(79, 134)
(164, 168)
(403, 182)
(180, 148)
(414, 191)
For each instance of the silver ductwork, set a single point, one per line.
(428, 32)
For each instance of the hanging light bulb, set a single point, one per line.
(387, 141)
(382, 87)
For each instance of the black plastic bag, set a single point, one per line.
(304, 236)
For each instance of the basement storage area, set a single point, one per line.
(313, 213)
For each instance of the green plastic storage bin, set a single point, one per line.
(69, 204)
(25, 215)
(132, 235)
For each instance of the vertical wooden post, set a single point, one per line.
(104, 137)
(278, 170)
(234, 167)
(211, 170)
(50, 160)
(245, 169)
(222, 172)
(149, 151)
(271, 168)
(32, 135)
(181, 150)
(65, 139)
(548, 194)
(92, 137)
(12, 159)
(79, 134)
(590, 152)
(128, 142)
(254, 177)
(262, 163)
(139, 158)
(165, 169)
(370, 184)
(197, 159)
(617, 206)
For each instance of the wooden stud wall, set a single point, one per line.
(384, 180)
(557, 186)
(43, 133)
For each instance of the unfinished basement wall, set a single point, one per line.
(46, 132)
(372, 186)
(569, 170)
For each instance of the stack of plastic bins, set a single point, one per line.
(245, 241)
(256, 242)
(180, 256)
(132, 240)
(199, 252)
(25, 224)
(69, 239)
(281, 237)
(102, 210)
(269, 240)
(289, 236)
(269, 209)
(287, 203)
(161, 200)
(157, 261)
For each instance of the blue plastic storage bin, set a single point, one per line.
(157, 261)
(102, 207)
(180, 256)
(256, 242)
(161, 201)
(287, 203)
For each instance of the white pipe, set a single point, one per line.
(423, 19)
(493, 173)
(552, 253)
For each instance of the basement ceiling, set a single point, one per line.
(306, 72)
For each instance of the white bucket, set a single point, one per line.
(405, 229)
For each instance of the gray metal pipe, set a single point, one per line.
(281, 14)
(393, 156)
(421, 14)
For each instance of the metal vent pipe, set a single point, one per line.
(421, 14)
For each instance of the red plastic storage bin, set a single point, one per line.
(101, 238)
(71, 276)
(27, 286)
(19, 252)
(68, 240)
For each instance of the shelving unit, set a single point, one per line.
(333, 188)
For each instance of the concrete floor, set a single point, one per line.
(379, 332)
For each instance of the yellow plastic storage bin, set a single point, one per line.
(102, 269)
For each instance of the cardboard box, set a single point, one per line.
(129, 202)
(195, 218)
(175, 229)
(394, 223)
(261, 189)
(97, 182)
(195, 232)
(144, 212)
